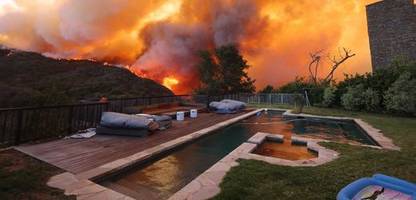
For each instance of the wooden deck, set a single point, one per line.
(79, 155)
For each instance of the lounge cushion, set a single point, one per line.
(227, 106)
(164, 121)
(119, 120)
(102, 130)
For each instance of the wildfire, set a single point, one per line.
(162, 39)
(170, 82)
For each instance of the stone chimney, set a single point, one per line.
(392, 31)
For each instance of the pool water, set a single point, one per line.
(285, 150)
(161, 177)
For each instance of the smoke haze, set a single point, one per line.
(160, 39)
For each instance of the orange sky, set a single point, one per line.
(159, 39)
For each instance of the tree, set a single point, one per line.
(401, 96)
(335, 63)
(224, 71)
(209, 74)
(267, 89)
(315, 62)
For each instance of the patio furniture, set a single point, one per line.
(227, 106)
(164, 121)
(380, 187)
(193, 113)
(102, 130)
(180, 116)
(123, 124)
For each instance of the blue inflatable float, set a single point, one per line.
(378, 187)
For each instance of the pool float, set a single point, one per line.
(378, 187)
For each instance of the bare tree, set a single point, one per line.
(315, 62)
(335, 60)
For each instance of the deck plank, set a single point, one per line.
(79, 155)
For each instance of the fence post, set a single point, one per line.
(3, 132)
(208, 101)
(19, 127)
(70, 117)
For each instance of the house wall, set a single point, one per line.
(392, 31)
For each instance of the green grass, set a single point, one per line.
(259, 180)
(22, 177)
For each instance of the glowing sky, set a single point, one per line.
(160, 39)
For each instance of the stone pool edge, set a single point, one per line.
(82, 186)
(206, 185)
(373, 133)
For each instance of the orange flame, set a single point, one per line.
(170, 82)
(162, 40)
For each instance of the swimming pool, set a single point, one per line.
(163, 175)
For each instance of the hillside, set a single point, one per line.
(30, 79)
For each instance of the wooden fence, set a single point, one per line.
(20, 125)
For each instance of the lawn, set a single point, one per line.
(22, 177)
(259, 180)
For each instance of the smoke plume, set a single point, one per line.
(160, 39)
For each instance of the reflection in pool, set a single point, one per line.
(161, 177)
(285, 150)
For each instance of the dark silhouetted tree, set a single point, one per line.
(223, 72)
(267, 89)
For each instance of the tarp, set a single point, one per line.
(227, 106)
(84, 134)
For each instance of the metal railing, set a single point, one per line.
(20, 125)
(273, 98)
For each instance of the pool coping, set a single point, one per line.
(325, 155)
(206, 185)
(82, 185)
(374, 133)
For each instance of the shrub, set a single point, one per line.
(372, 100)
(299, 85)
(299, 101)
(401, 96)
(353, 99)
(329, 96)
(379, 81)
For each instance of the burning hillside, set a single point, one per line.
(160, 39)
(30, 79)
